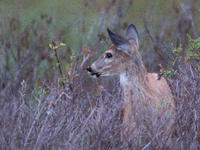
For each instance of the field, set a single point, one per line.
(47, 99)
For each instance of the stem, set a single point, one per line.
(58, 61)
(55, 50)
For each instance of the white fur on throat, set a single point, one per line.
(124, 79)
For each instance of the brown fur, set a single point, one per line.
(143, 92)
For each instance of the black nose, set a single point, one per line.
(89, 69)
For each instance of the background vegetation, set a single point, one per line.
(49, 101)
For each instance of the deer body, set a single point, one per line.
(143, 91)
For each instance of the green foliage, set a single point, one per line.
(62, 44)
(64, 79)
(54, 47)
(178, 53)
(192, 52)
(163, 102)
(191, 56)
(167, 73)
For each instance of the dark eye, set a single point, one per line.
(108, 55)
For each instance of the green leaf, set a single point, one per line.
(57, 64)
(189, 36)
(196, 41)
(50, 45)
(72, 57)
(175, 73)
(55, 47)
(62, 44)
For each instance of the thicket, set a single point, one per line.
(47, 100)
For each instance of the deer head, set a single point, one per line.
(121, 57)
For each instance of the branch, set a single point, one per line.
(155, 46)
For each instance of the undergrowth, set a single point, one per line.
(47, 100)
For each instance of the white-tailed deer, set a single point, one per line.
(147, 97)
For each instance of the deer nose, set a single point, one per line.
(89, 69)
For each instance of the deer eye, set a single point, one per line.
(108, 55)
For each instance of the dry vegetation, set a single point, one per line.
(47, 100)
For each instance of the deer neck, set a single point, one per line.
(135, 83)
(136, 89)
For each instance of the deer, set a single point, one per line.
(144, 93)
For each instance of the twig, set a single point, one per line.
(58, 61)
(55, 52)
(155, 46)
(49, 84)
(146, 146)
(46, 34)
(164, 52)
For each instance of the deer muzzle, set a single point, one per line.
(92, 73)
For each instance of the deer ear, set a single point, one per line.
(120, 42)
(132, 35)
